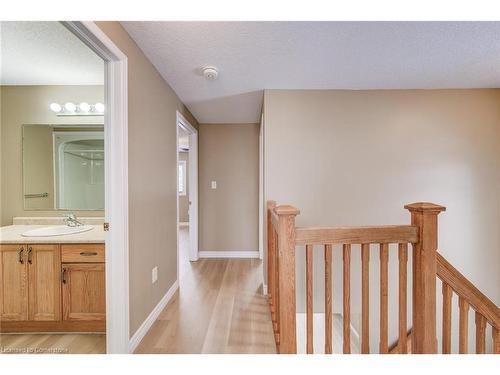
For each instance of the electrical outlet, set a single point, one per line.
(214, 184)
(154, 275)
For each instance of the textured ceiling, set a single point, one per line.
(253, 56)
(46, 53)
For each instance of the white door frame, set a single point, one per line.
(261, 188)
(183, 123)
(116, 182)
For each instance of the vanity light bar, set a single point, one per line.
(82, 109)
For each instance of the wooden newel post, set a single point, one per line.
(286, 270)
(424, 216)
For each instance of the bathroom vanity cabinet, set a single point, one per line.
(52, 288)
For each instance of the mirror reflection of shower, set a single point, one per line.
(79, 167)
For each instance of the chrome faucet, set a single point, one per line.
(72, 221)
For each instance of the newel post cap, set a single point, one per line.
(286, 210)
(425, 207)
(271, 204)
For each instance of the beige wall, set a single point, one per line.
(229, 154)
(152, 177)
(38, 166)
(184, 199)
(356, 157)
(30, 105)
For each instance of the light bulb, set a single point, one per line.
(99, 107)
(54, 107)
(70, 107)
(84, 107)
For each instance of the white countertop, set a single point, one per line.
(11, 234)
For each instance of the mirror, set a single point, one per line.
(63, 167)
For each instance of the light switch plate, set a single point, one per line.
(154, 275)
(214, 184)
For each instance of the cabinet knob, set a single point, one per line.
(20, 253)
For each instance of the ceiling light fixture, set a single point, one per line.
(210, 72)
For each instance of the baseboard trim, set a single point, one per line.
(229, 254)
(146, 325)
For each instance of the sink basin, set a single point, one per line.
(59, 230)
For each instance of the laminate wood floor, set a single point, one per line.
(41, 343)
(219, 308)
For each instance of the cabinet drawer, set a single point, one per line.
(82, 253)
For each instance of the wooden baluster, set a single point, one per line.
(480, 333)
(384, 259)
(328, 300)
(464, 326)
(276, 297)
(271, 269)
(309, 299)
(495, 333)
(286, 269)
(347, 298)
(270, 252)
(447, 295)
(365, 298)
(403, 326)
(424, 216)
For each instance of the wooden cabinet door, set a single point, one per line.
(44, 279)
(13, 283)
(84, 293)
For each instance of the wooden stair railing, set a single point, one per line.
(486, 312)
(283, 238)
(365, 237)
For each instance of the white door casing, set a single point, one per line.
(116, 182)
(193, 187)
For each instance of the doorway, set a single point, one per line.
(187, 187)
(115, 180)
(56, 158)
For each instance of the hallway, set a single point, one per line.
(219, 308)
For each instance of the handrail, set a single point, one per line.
(357, 235)
(464, 288)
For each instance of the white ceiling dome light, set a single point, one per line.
(210, 72)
